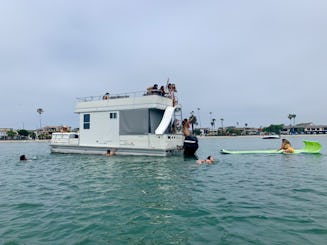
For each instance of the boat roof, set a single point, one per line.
(122, 101)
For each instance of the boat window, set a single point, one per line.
(86, 121)
(113, 115)
(133, 122)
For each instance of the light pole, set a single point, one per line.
(211, 119)
(199, 117)
(293, 116)
(191, 119)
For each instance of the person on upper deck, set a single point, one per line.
(162, 91)
(106, 96)
(171, 92)
(286, 146)
(153, 89)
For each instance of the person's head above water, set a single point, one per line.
(22, 158)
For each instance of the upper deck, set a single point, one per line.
(123, 101)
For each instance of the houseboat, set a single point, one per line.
(139, 123)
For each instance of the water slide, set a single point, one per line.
(166, 119)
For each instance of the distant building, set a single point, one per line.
(304, 128)
(316, 129)
(3, 133)
(47, 131)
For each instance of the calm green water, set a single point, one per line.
(241, 199)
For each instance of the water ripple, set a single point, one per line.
(76, 199)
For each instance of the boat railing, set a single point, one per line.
(116, 96)
(111, 96)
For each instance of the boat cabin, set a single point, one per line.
(132, 124)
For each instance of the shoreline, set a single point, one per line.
(199, 137)
(24, 141)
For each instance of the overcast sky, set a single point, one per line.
(248, 61)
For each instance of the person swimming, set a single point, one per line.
(110, 153)
(22, 158)
(208, 160)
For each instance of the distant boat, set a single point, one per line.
(271, 136)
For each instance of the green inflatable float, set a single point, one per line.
(310, 147)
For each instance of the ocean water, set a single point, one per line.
(240, 199)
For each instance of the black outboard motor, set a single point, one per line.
(190, 145)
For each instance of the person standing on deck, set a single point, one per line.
(186, 127)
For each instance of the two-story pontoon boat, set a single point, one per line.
(130, 124)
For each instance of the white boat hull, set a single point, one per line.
(118, 151)
(271, 136)
(145, 145)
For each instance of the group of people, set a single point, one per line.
(286, 147)
(109, 153)
(169, 90)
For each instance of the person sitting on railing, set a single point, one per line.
(162, 91)
(169, 88)
(171, 92)
(174, 88)
(153, 89)
(106, 96)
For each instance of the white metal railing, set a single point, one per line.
(117, 96)
(111, 96)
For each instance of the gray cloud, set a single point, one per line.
(246, 61)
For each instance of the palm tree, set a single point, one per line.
(40, 111)
(290, 117)
(213, 120)
(246, 125)
(193, 120)
(199, 116)
(293, 116)
(222, 125)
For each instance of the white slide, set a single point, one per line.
(166, 119)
